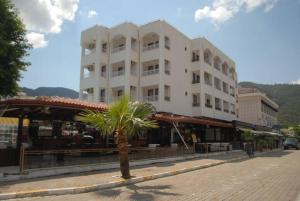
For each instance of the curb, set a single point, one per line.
(121, 182)
(46, 172)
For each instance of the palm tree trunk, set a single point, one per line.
(123, 153)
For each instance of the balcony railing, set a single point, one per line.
(232, 112)
(167, 98)
(103, 74)
(208, 82)
(117, 73)
(88, 75)
(150, 98)
(226, 110)
(196, 104)
(194, 59)
(150, 72)
(118, 49)
(208, 105)
(102, 98)
(195, 81)
(150, 47)
(218, 108)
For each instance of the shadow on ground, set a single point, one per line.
(5, 185)
(138, 192)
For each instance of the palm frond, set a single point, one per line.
(130, 116)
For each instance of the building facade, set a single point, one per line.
(256, 108)
(158, 64)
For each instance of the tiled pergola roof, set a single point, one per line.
(55, 102)
(170, 118)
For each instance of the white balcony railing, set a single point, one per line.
(150, 47)
(103, 74)
(102, 98)
(118, 49)
(88, 75)
(117, 73)
(150, 72)
(150, 98)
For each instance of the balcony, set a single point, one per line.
(151, 46)
(150, 72)
(118, 73)
(167, 98)
(117, 49)
(196, 81)
(208, 105)
(196, 104)
(218, 108)
(152, 98)
(88, 75)
(232, 112)
(226, 110)
(102, 99)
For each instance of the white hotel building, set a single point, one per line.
(158, 64)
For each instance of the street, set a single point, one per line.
(273, 176)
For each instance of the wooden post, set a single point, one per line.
(20, 135)
(22, 155)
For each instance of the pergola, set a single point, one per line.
(44, 108)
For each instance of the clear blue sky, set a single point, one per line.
(264, 45)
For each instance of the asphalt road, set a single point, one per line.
(274, 176)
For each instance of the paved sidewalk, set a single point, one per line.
(101, 177)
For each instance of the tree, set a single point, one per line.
(13, 49)
(124, 118)
(248, 135)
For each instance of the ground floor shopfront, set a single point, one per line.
(52, 137)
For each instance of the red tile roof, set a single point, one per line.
(193, 120)
(56, 102)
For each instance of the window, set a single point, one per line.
(232, 110)
(133, 68)
(208, 78)
(217, 82)
(225, 87)
(133, 93)
(133, 44)
(167, 93)
(167, 67)
(102, 95)
(218, 104)
(208, 100)
(103, 71)
(104, 47)
(225, 68)
(195, 56)
(217, 63)
(167, 42)
(225, 106)
(196, 77)
(196, 100)
(232, 91)
(120, 93)
(207, 57)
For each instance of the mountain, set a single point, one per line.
(51, 91)
(287, 96)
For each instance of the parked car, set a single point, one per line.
(291, 143)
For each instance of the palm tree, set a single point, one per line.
(124, 118)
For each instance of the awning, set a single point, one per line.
(261, 133)
(170, 118)
(43, 108)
